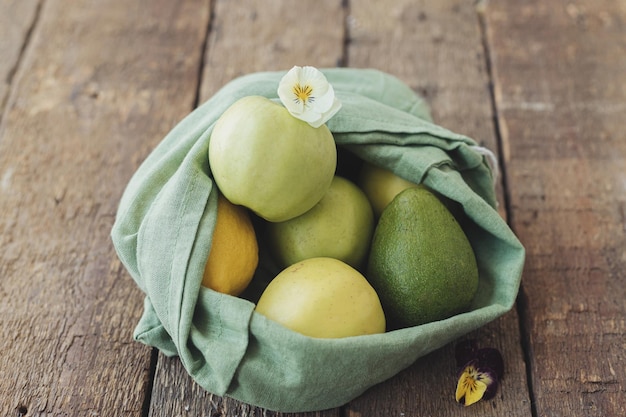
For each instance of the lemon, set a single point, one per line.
(323, 297)
(381, 186)
(421, 263)
(339, 226)
(234, 253)
(265, 159)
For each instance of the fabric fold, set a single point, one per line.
(164, 226)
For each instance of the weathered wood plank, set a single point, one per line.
(100, 84)
(176, 394)
(255, 35)
(560, 72)
(436, 47)
(250, 36)
(16, 19)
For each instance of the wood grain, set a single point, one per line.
(256, 35)
(97, 87)
(436, 47)
(17, 17)
(176, 394)
(87, 90)
(560, 72)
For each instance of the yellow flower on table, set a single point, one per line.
(480, 372)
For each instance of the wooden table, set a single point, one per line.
(88, 89)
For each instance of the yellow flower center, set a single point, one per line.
(303, 93)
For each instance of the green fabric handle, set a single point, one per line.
(165, 221)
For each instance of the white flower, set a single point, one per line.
(308, 96)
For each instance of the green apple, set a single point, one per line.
(381, 186)
(339, 226)
(265, 159)
(325, 298)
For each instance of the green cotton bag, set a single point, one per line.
(165, 221)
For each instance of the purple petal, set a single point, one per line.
(464, 352)
(492, 387)
(492, 359)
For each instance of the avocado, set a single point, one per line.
(421, 263)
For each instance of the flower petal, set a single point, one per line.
(492, 388)
(307, 95)
(316, 79)
(475, 383)
(285, 91)
(328, 114)
(311, 117)
(492, 359)
(323, 101)
(464, 352)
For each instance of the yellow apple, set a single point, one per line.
(381, 186)
(324, 298)
(340, 226)
(263, 158)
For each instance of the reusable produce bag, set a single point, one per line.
(165, 221)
